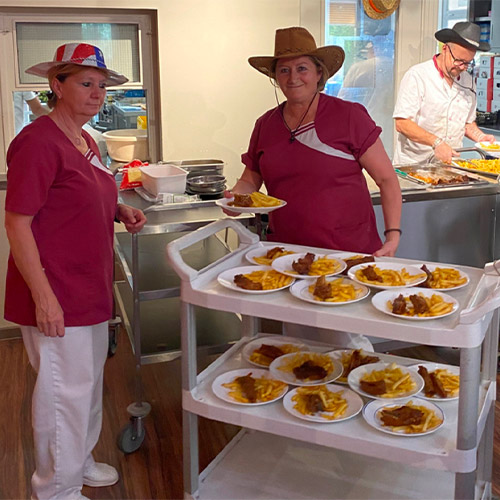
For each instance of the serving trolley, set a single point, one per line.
(278, 456)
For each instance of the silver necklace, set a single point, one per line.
(294, 131)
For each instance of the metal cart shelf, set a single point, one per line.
(347, 459)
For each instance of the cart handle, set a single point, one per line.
(187, 273)
(474, 313)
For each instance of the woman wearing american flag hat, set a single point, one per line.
(61, 205)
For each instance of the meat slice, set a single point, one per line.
(314, 403)
(270, 351)
(370, 274)
(356, 261)
(247, 386)
(419, 304)
(358, 359)
(429, 390)
(243, 282)
(402, 415)
(303, 265)
(438, 386)
(241, 200)
(273, 252)
(322, 289)
(427, 282)
(374, 388)
(309, 370)
(399, 305)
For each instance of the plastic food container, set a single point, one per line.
(163, 179)
(128, 144)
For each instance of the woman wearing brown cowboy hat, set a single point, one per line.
(60, 207)
(311, 151)
(436, 104)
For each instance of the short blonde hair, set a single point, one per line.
(61, 72)
(320, 66)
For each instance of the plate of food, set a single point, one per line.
(385, 380)
(306, 368)
(323, 403)
(441, 382)
(492, 148)
(308, 265)
(387, 275)
(352, 359)
(416, 417)
(248, 386)
(353, 259)
(443, 277)
(264, 350)
(254, 279)
(418, 304)
(329, 291)
(264, 256)
(253, 203)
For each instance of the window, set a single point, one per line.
(453, 11)
(126, 39)
(367, 75)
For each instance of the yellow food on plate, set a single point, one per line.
(262, 280)
(443, 277)
(420, 305)
(490, 166)
(374, 275)
(491, 146)
(255, 199)
(391, 382)
(334, 291)
(318, 400)
(267, 353)
(439, 383)
(409, 418)
(251, 390)
(308, 365)
(271, 255)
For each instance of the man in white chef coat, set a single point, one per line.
(436, 104)
(31, 101)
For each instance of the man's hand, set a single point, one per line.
(445, 153)
(133, 218)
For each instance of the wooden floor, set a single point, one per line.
(155, 470)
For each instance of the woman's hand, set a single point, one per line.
(49, 316)
(228, 194)
(388, 249)
(133, 218)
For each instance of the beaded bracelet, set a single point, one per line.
(393, 229)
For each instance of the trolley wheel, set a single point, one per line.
(131, 437)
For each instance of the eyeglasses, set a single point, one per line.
(460, 62)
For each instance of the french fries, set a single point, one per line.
(436, 306)
(321, 266)
(263, 200)
(491, 166)
(450, 382)
(396, 381)
(262, 360)
(389, 277)
(340, 291)
(266, 390)
(298, 359)
(333, 404)
(266, 260)
(428, 422)
(490, 146)
(270, 280)
(443, 277)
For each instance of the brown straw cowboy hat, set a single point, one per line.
(466, 34)
(295, 42)
(380, 9)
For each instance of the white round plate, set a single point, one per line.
(226, 278)
(300, 289)
(380, 300)
(486, 146)
(354, 405)
(455, 370)
(432, 268)
(290, 378)
(412, 270)
(284, 265)
(261, 252)
(337, 354)
(225, 378)
(370, 414)
(358, 373)
(276, 340)
(223, 203)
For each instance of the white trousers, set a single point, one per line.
(66, 406)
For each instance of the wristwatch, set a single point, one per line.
(437, 142)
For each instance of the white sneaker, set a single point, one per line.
(99, 474)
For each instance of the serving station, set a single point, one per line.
(278, 456)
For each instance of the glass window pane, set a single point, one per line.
(367, 75)
(37, 42)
